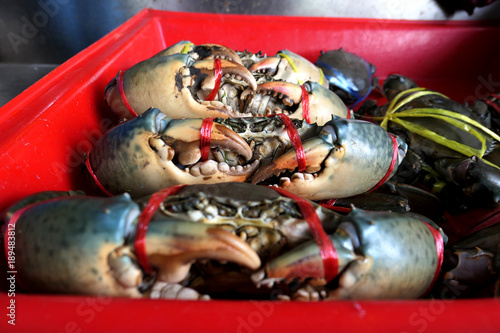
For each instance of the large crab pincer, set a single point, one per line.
(179, 84)
(152, 151)
(347, 158)
(89, 245)
(378, 255)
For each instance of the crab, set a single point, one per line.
(185, 239)
(349, 76)
(454, 143)
(342, 158)
(209, 80)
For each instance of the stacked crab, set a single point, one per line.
(205, 127)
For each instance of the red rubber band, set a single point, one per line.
(143, 223)
(493, 104)
(122, 94)
(94, 177)
(438, 239)
(496, 96)
(327, 248)
(391, 167)
(330, 204)
(205, 137)
(305, 104)
(294, 136)
(218, 77)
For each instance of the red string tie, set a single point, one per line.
(122, 94)
(143, 223)
(327, 248)
(218, 77)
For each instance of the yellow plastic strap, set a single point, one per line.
(322, 76)
(292, 64)
(186, 47)
(456, 119)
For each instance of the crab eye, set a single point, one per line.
(329, 134)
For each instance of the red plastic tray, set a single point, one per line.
(47, 128)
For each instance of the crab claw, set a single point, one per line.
(172, 83)
(185, 138)
(349, 157)
(367, 266)
(152, 151)
(290, 67)
(173, 245)
(285, 97)
(305, 262)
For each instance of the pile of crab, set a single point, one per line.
(239, 175)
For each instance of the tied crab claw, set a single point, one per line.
(378, 255)
(179, 85)
(309, 101)
(347, 158)
(90, 245)
(289, 67)
(152, 151)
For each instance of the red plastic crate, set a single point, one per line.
(47, 128)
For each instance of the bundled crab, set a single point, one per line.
(207, 124)
(452, 148)
(309, 146)
(202, 241)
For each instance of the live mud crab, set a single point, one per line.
(348, 75)
(226, 237)
(209, 80)
(452, 148)
(345, 157)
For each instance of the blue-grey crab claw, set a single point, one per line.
(349, 157)
(380, 255)
(86, 245)
(152, 151)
